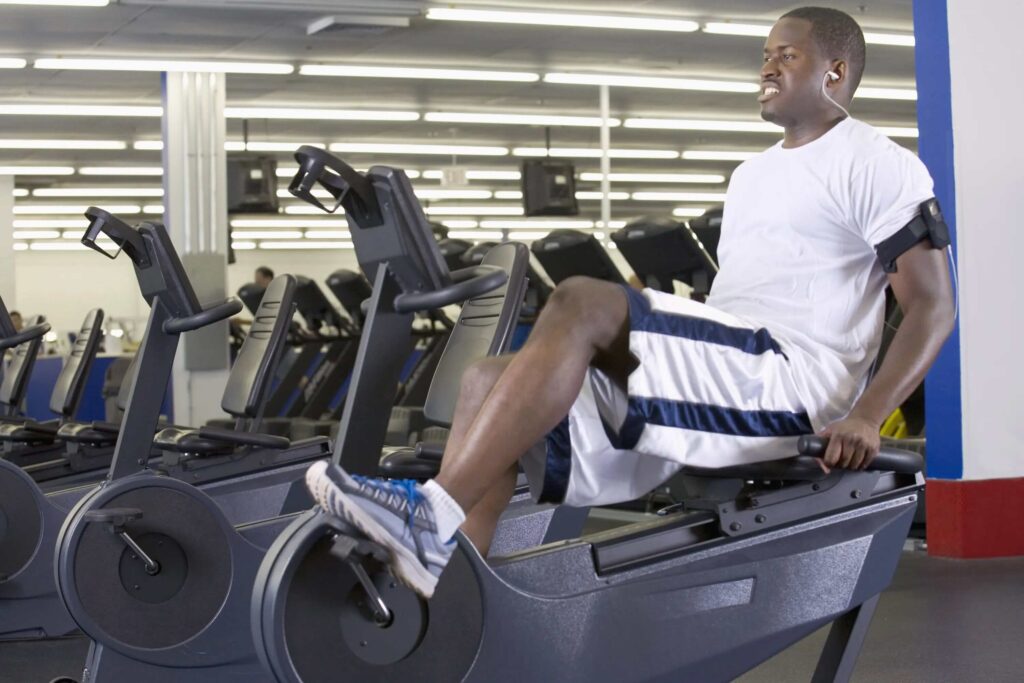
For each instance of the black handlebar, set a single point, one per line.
(27, 334)
(888, 459)
(466, 284)
(203, 318)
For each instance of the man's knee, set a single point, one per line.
(596, 307)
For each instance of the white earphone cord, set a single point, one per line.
(829, 98)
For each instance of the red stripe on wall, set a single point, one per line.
(975, 518)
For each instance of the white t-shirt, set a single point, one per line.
(797, 253)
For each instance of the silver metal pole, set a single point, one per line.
(606, 199)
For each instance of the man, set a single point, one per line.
(16, 318)
(263, 276)
(629, 386)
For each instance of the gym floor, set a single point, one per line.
(941, 620)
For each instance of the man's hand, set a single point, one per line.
(852, 443)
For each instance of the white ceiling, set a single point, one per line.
(242, 30)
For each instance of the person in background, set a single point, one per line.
(263, 276)
(19, 323)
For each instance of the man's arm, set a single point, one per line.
(922, 288)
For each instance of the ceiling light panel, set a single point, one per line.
(694, 178)
(662, 82)
(98, 192)
(718, 155)
(762, 31)
(361, 71)
(58, 3)
(595, 153)
(63, 144)
(36, 170)
(473, 210)
(63, 209)
(305, 245)
(414, 149)
(518, 119)
(123, 171)
(164, 65)
(285, 113)
(679, 196)
(12, 63)
(79, 110)
(705, 124)
(573, 20)
(471, 174)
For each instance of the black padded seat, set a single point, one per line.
(248, 383)
(187, 440)
(32, 434)
(91, 433)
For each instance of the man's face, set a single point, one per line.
(261, 279)
(792, 74)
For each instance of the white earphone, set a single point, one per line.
(832, 76)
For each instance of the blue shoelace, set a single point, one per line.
(400, 488)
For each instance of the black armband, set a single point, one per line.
(929, 224)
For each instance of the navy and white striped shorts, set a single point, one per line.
(710, 390)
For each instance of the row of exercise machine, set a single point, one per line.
(197, 554)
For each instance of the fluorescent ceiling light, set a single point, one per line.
(12, 63)
(153, 209)
(528, 236)
(319, 114)
(687, 212)
(615, 196)
(49, 223)
(762, 31)
(359, 71)
(473, 210)
(307, 210)
(20, 192)
(459, 223)
(267, 234)
(537, 224)
(679, 196)
(98, 192)
(430, 193)
(328, 235)
(870, 93)
(378, 148)
(233, 146)
(36, 234)
(715, 155)
(694, 178)
(122, 170)
(283, 193)
(508, 194)
(59, 209)
(243, 245)
(664, 82)
(290, 171)
(438, 174)
(78, 110)
(164, 65)
(518, 119)
(62, 144)
(36, 170)
(705, 124)
(20, 246)
(58, 3)
(306, 245)
(897, 131)
(627, 22)
(288, 223)
(595, 153)
(474, 235)
(68, 246)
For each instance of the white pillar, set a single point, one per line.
(195, 212)
(606, 164)
(7, 282)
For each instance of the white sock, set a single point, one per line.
(447, 514)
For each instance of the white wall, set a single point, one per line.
(988, 141)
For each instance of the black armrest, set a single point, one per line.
(887, 460)
(106, 427)
(49, 427)
(244, 438)
(407, 463)
(430, 452)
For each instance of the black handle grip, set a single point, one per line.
(203, 318)
(27, 334)
(466, 284)
(888, 459)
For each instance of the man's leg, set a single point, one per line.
(585, 323)
(477, 382)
